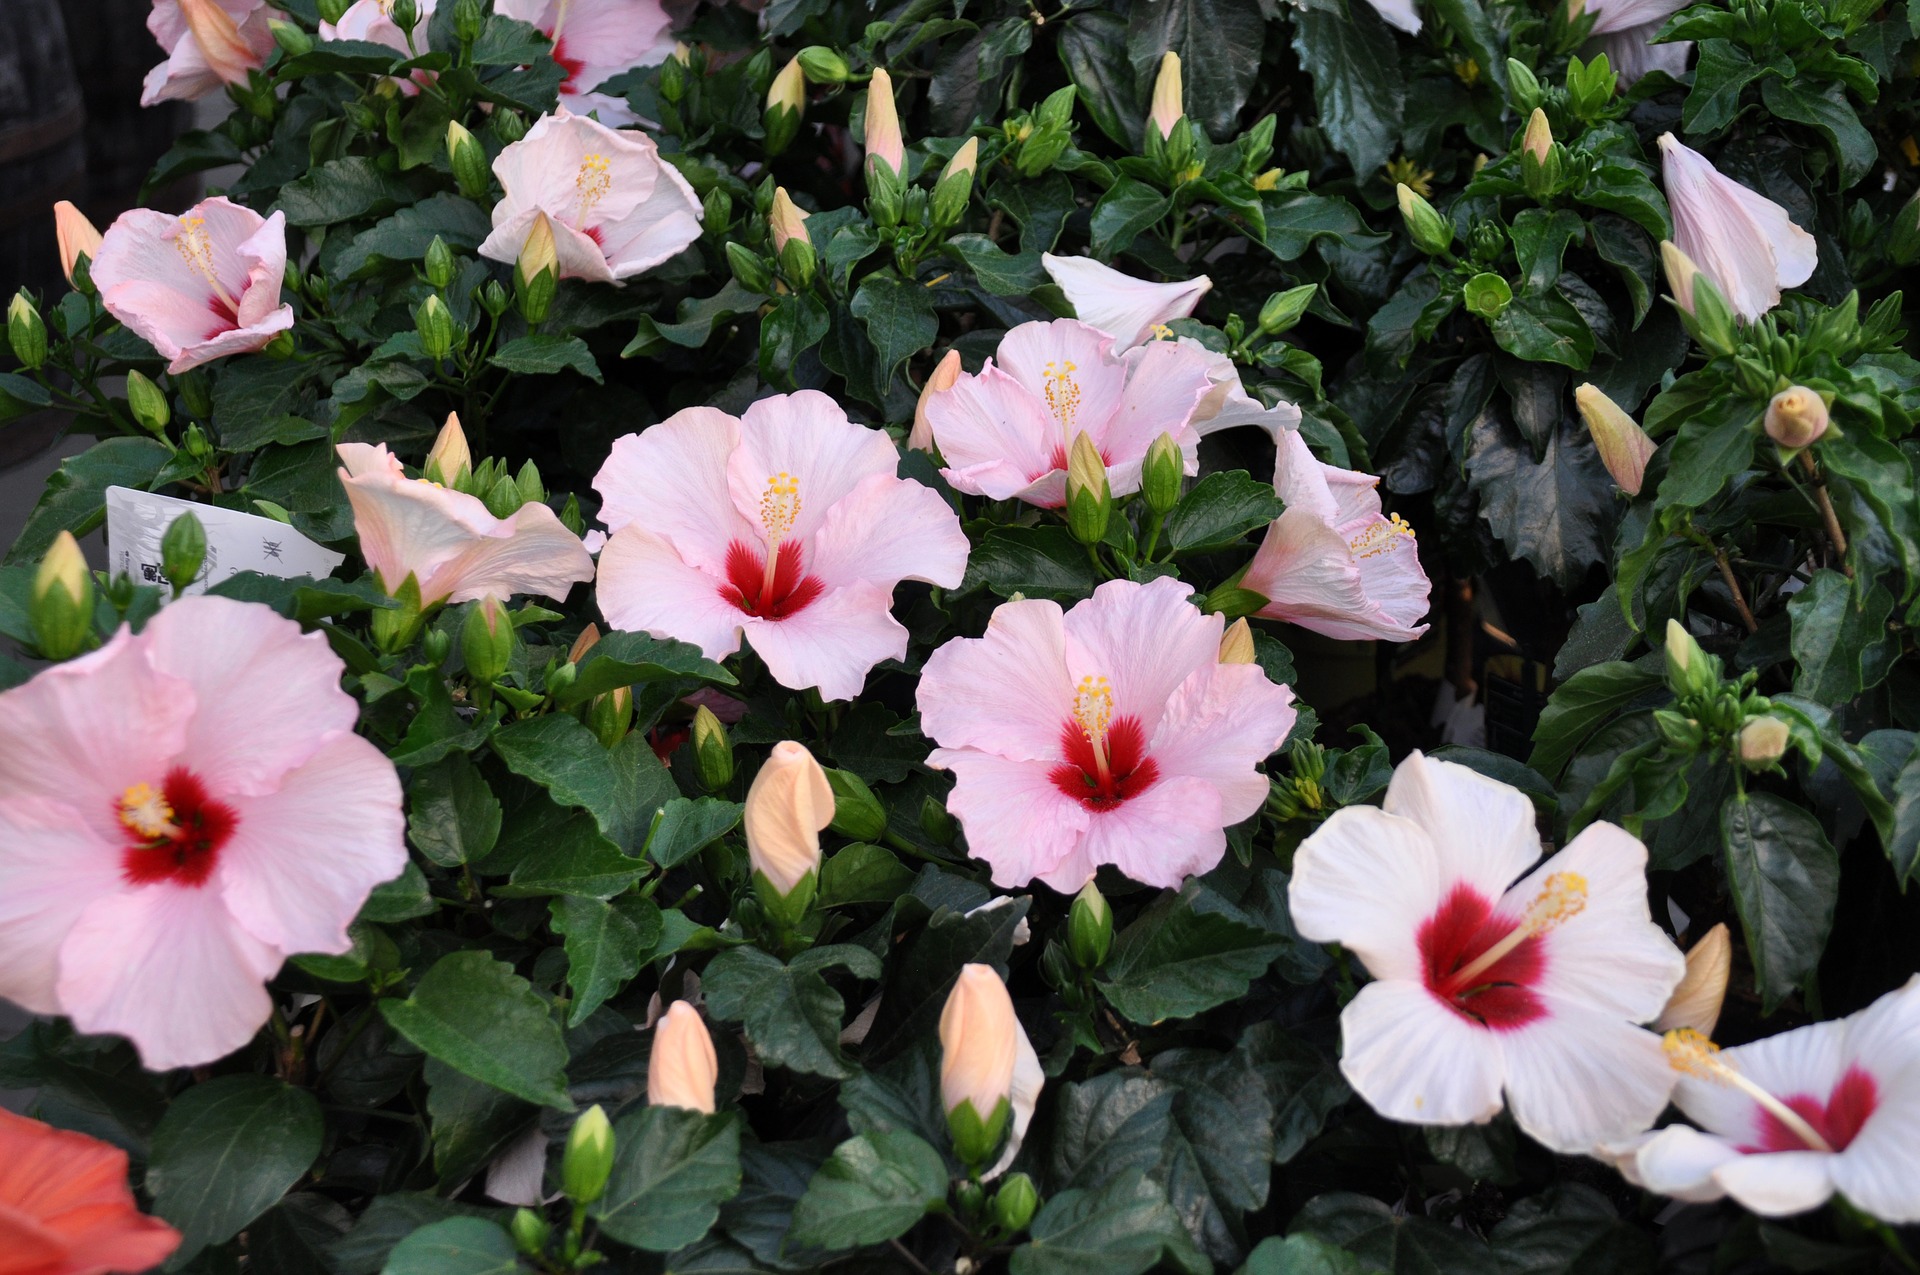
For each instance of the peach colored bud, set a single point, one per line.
(450, 457)
(787, 220)
(227, 54)
(964, 160)
(883, 123)
(1763, 741)
(1538, 141)
(1169, 101)
(787, 806)
(789, 88)
(944, 374)
(977, 1042)
(1696, 1001)
(1796, 417)
(584, 643)
(1624, 446)
(76, 234)
(1236, 644)
(539, 252)
(1681, 271)
(682, 1069)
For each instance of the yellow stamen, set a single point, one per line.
(1562, 896)
(197, 251)
(779, 510)
(1063, 396)
(1161, 332)
(1382, 537)
(145, 810)
(1691, 1054)
(592, 182)
(1093, 709)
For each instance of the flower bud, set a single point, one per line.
(183, 551)
(487, 640)
(1236, 644)
(507, 126)
(469, 160)
(1690, 670)
(883, 139)
(77, 238)
(331, 11)
(682, 1070)
(395, 628)
(588, 639)
(1089, 498)
(433, 323)
(1539, 157)
(786, 221)
(405, 14)
(1169, 102)
(1431, 233)
(469, 20)
(535, 274)
(1090, 925)
(1762, 742)
(1796, 417)
(1538, 140)
(1160, 474)
(570, 516)
(610, 716)
(822, 65)
(530, 1232)
(1703, 308)
(1681, 272)
(26, 332)
(857, 813)
(527, 483)
(955, 187)
(788, 804)
(147, 402)
(977, 1049)
(1696, 1001)
(502, 497)
(1624, 447)
(749, 268)
(941, 379)
(292, 39)
(712, 751)
(61, 610)
(450, 463)
(438, 265)
(587, 1162)
(1523, 86)
(1284, 309)
(1015, 1203)
(786, 104)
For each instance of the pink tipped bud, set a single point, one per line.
(787, 220)
(1796, 417)
(883, 123)
(1762, 742)
(1538, 141)
(450, 461)
(1696, 1001)
(1624, 446)
(1169, 104)
(77, 237)
(539, 253)
(964, 160)
(787, 806)
(978, 1034)
(942, 378)
(682, 1069)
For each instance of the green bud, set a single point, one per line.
(60, 611)
(508, 126)
(1677, 729)
(503, 498)
(1090, 928)
(469, 160)
(716, 209)
(786, 911)
(1431, 233)
(292, 39)
(434, 323)
(857, 813)
(570, 516)
(712, 750)
(1089, 497)
(469, 20)
(610, 716)
(1540, 164)
(1015, 1203)
(530, 1232)
(822, 65)
(439, 263)
(1487, 295)
(1231, 600)
(535, 296)
(532, 491)
(183, 550)
(976, 1138)
(493, 298)
(587, 1162)
(395, 628)
(937, 823)
(886, 193)
(281, 347)
(1523, 87)
(27, 332)
(954, 190)
(560, 677)
(750, 269)
(197, 444)
(147, 402)
(435, 647)
(487, 641)
(196, 395)
(1041, 151)
(786, 103)
(1160, 474)
(673, 80)
(1283, 310)
(332, 11)
(1690, 670)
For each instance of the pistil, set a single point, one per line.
(1563, 895)
(1093, 709)
(779, 510)
(197, 251)
(1063, 398)
(1691, 1053)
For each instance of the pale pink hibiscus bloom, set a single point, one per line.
(208, 43)
(197, 286)
(786, 526)
(1788, 1121)
(372, 21)
(1739, 238)
(1332, 562)
(595, 40)
(1107, 734)
(1404, 14)
(180, 811)
(448, 541)
(1484, 982)
(1005, 430)
(1125, 308)
(615, 207)
(1624, 27)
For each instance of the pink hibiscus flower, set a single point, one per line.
(786, 525)
(1482, 982)
(180, 811)
(1110, 733)
(208, 43)
(615, 207)
(198, 286)
(448, 541)
(1332, 563)
(1740, 239)
(595, 40)
(1005, 431)
(1787, 1121)
(372, 21)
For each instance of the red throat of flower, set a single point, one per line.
(770, 595)
(174, 833)
(1454, 943)
(1838, 1119)
(1105, 756)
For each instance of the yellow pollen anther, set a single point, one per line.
(1563, 895)
(779, 510)
(197, 251)
(1382, 537)
(592, 183)
(145, 810)
(1691, 1054)
(1093, 710)
(1063, 396)
(1162, 332)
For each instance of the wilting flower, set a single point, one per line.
(1127, 309)
(986, 1060)
(615, 207)
(1696, 1002)
(65, 1208)
(595, 40)
(1332, 562)
(786, 525)
(197, 286)
(1788, 1121)
(180, 811)
(1481, 982)
(372, 21)
(788, 806)
(940, 380)
(447, 540)
(1624, 447)
(1624, 29)
(1107, 734)
(682, 1069)
(1740, 239)
(208, 43)
(76, 235)
(1005, 431)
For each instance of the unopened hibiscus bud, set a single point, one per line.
(493, 298)
(438, 264)
(750, 269)
(977, 1050)
(1160, 472)
(857, 813)
(786, 104)
(1431, 233)
(883, 139)
(1696, 1001)
(1703, 309)
(712, 750)
(530, 1232)
(1681, 272)
(450, 462)
(405, 13)
(502, 497)
(787, 806)
(1762, 742)
(786, 221)
(433, 323)
(77, 238)
(1236, 644)
(1169, 101)
(941, 379)
(610, 716)
(823, 65)
(1089, 498)
(1539, 159)
(1090, 927)
(1796, 417)
(147, 402)
(292, 39)
(26, 332)
(469, 160)
(682, 1069)
(1690, 670)
(1015, 1203)
(527, 483)
(587, 1162)
(1283, 310)
(536, 273)
(469, 20)
(331, 11)
(588, 639)
(1624, 447)
(183, 550)
(487, 641)
(61, 610)
(955, 187)
(1523, 86)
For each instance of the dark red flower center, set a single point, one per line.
(1838, 1119)
(1127, 770)
(1463, 929)
(785, 592)
(174, 833)
(568, 63)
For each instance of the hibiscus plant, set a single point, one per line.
(1186, 635)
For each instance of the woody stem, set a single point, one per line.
(1820, 498)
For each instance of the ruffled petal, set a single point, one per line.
(1680, 1161)
(646, 587)
(1399, 13)
(1014, 818)
(887, 530)
(1145, 639)
(1416, 1061)
(994, 434)
(1578, 1077)
(1162, 836)
(1780, 1184)
(1482, 830)
(672, 479)
(806, 437)
(1071, 369)
(1807, 1060)
(832, 643)
(1221, 723)
(1367, 880)
(1024, 1099)
(1005, 692)
(531, 552)
(1125, 308)
(54, 866)
(1166, 383)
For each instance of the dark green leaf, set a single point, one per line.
(1221, 508)
(1583, 704)
(407, 234)
(483, 1020)
(621, 788)
(898, 316)
(1000, 272)
(1187, 953)
(873, 1188)
(452, 815)
(689, 825)
(606, 944)
(1785, 877)
(1035, 562)
(1300, 1255)
(862, 874)
(1571, 1229)
(342, 190)
(631, 659)
(1385, 1241)
(74, 497)
(1123, 1228)
(672, 1170)
(1840, 639)
(1357, 82)
(226, 1151)
(542, 354)
(1557, 513)
(1219, 44)
(456, 1246)
(1128, 207)
(790, 1013)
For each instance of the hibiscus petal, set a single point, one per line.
(807, 437)
(646, 587)
(1224, 720)
(1126, 308)
(1416, 1061)
(1144, 639)
(1807, 1060)
(1367, 880)
(887, 530)
(994, 434)
(1578, 1076)
(833, 642)
(1780, 1184)
(1071, 369)
(672, 479)
(54, 866)
(1679, 1161)
(1015, 820)
(1483, 830)
(1173, 830)
(1005, 692)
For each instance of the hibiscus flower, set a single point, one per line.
(65, 1208)
(1739, 238)
(595, 40)
(208, 43)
